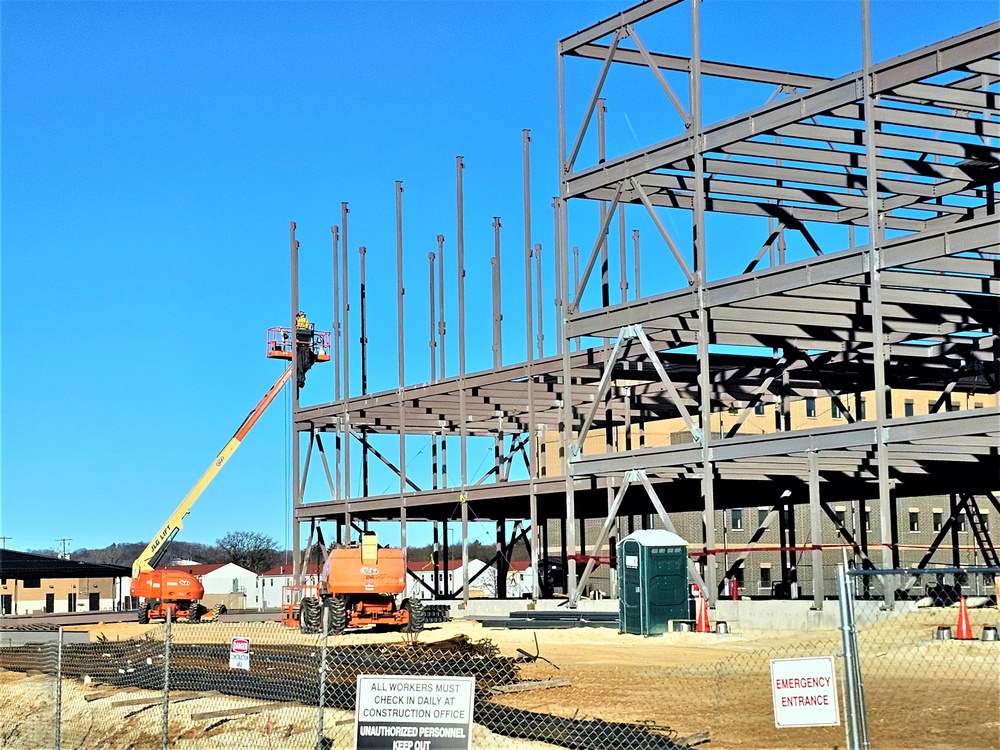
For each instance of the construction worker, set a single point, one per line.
(304, 343)
(303, 328)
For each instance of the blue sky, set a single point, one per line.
(154, 153)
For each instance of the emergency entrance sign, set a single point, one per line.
(413, 713)
(239, 654)
(804, 692)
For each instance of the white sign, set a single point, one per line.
(413, 713)
(239, 654)
(804, 692)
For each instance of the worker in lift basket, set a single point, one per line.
(303, 329)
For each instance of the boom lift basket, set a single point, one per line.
(280, 341)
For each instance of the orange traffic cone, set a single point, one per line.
(703, 626)
(964, 630)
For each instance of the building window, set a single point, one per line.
(765, 577)
(861, 409)
(951, 405)
(811, 408)
(986, 521)
(908, 407)
(930, 407)
(31, 583)
(737, 520)
(758, 409)
(938, 520)
(961, 522)
(868, 519)
(841, 515)
(914, 519)
(738, 575)
(977, 405)
(835, 410)
(762, 515)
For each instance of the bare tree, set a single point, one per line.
(249, 549)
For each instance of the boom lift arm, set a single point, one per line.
(150, 556)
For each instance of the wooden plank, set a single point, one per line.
(102, 694)
(246, 710)
(521, 687)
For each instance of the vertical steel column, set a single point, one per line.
(605, 271)
(497, 309)
(400, 291)
(816, 532)
(344, 210)
(335, 345)
(700, 261)
(436, 559)
(878, 337)
(566, 429)
(462, 428)
(293, 246)
(557, 255)
(954, 513)
(538, 290)
(635, 250)
(531, 426)
(432, 343)
(441, 333)
(363, 340)
(623, 283)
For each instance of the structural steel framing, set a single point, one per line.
(917, 306)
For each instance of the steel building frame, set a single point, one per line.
(916, 307)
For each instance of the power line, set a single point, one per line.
(64, 541)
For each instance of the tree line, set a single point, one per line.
(256, 551)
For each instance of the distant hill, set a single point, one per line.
(126, 552)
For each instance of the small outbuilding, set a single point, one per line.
(652, 581)
(35, 583)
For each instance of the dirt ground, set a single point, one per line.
(921, 693)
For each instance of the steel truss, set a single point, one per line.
(916, 310)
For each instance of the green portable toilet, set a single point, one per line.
(652, 581)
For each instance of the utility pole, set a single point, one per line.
(4, 539)
(64, 542)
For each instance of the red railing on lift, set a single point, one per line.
(280, 341)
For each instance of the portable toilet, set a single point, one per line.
(652, 581)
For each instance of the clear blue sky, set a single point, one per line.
(154, 153)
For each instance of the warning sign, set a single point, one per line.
(413, 713)
(239, 653)
(804, 692)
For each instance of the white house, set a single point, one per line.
(271, 582)
(225, 583)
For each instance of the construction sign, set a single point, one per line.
(413, 713)
(804, 692)
(239, 653)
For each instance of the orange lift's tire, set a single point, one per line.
(310, 615)
(144, 614)
(416, 609)
(194, 613)
(338, 615)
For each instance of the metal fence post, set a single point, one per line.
(59, 652)
(850, 701)
(322, 677)
(859, 688)
(166, 683)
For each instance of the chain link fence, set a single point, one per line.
(264, 685)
